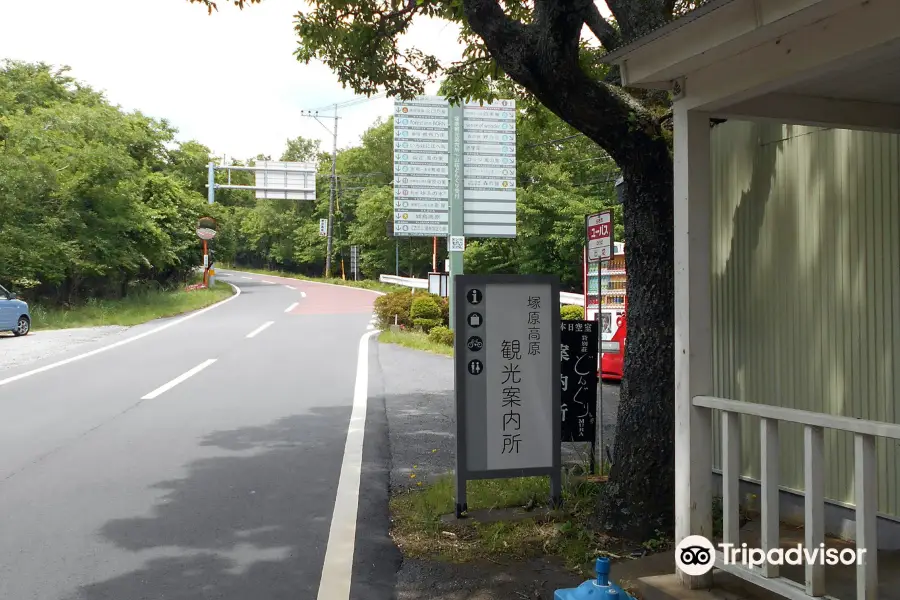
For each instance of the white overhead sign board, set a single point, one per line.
(278, 180)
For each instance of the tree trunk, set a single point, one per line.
(639, 497)
(543, 57)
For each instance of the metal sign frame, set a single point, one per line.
(306, 169)
(462, 356)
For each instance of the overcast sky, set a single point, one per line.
(229, 80)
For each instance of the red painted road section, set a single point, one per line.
(327, 299)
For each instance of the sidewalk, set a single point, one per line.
(420, 419)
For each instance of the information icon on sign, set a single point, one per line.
(475, 319)
(475, 367)
(474, 296)
(475, 343)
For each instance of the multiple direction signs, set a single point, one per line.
(599, 234)
(421, 166)
(489, 169)
(578, 378)
(285, 180)
(507, 359)
(444, 152)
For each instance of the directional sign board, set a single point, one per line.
(599, 234)
(489, 169)
(507, 360)
(421, 166)
(285, 180)
(425, 151)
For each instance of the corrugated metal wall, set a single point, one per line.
(806, 288)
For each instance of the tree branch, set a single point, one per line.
(604, 31)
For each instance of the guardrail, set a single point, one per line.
(422, 284)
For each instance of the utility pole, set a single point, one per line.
(330, 247)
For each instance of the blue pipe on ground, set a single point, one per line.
(600, 588)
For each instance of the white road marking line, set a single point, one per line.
(292, 307)
(183, 377)
(120, 343)
(290, 287)
(303, 294)
(250, 278)
(269, 282)
(260, 329)
(337, 571)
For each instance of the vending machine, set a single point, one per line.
(605, 301)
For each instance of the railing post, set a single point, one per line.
(866, 497)
(770, 468)
(731, 477)
(814, 490)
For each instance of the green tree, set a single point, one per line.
(539, 47)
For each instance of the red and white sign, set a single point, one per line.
(600, 236)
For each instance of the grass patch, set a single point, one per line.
(138, 307)
(415, 340)
(567, 534)
(366, 284)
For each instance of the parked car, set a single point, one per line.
(14, 315)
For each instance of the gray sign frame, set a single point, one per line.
(462, 356)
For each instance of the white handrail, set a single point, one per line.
(565, 298)
(814, 425)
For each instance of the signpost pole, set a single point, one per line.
(456, 217)
(211, 183)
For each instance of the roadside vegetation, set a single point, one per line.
(419, 320)
(100, 203)
(423, 526)
(139, 306)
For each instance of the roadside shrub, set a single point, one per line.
(441, 335)
(395, 303)
(445, 309)
(571, 313)
(425, 312)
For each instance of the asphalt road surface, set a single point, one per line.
(199, 457)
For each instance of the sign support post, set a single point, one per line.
(457, 216)
(211, 183)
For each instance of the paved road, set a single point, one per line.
(197, 461)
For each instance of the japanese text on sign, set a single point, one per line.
(578, 374)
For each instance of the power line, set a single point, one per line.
(351, 102)
(565, 139)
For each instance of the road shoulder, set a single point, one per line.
(419, 413)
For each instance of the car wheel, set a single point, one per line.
(23, 327)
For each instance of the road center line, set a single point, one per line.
(290, 287)
(121, 342)
(184, 376)
(269, 282)
(292, 307)
(260, 329)
(303, 294)
(337, 571)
